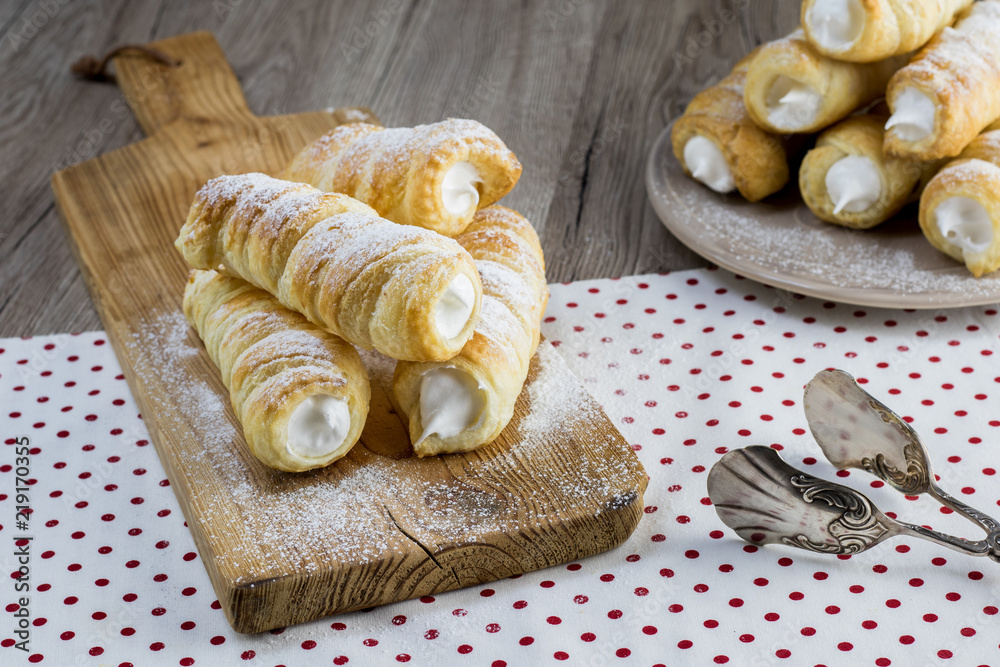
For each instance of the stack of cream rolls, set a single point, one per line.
(382, 239)
(903, 95)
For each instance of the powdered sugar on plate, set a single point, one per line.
(781, 243)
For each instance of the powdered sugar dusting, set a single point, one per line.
(365, 508)
(556, 395)
(961, 68)
(842, 257)
(163, 351)
(781, 242)
(251, 224)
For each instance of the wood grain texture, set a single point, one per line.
(559, 484)
(578, 88)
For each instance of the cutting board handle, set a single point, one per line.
(201, 89)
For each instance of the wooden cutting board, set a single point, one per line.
(378, 526)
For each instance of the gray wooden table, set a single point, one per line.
(579, 89)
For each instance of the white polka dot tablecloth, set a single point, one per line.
(688, 365)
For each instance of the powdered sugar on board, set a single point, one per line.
(360, 510)
(780, 242)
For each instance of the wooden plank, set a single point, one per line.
(378, 526)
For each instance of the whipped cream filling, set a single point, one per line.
(836, 24)
(913, 118)
(451, 401)
(708, 165)
(458, 188)
(318, 426)
(792, 105)
(455, 307)
(854, 184)
(964, 223)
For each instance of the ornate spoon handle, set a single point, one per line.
(983, 520)
(767, 501)
(969, 547)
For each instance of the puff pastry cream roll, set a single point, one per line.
(960, 209)
(434, 176)
(301, 393)
(793, 88)
(950, 91)
(407, 292)
(719, 145)
(460, 404)
(870, 30)
(847, 180)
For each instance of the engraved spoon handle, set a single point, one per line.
(968, 547)
(767, 501)
(981, 519)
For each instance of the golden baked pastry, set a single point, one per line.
(434, 176)
(950, 91)
(465, 402)
(870, 30)
(407, 292)
(792, 88)
(718, 144)
(960, 208)
(301, 393)
(847, 180)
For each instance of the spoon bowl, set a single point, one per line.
(855, 430)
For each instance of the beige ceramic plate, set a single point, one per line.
(781, 243)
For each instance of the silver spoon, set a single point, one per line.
(856, 430)
(768, 501)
